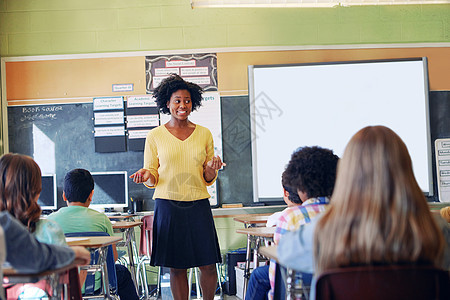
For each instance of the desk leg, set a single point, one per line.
(130, 242)
(104, 269)
(292, 290)
(247, 264)
(255, 252)
(53, 279)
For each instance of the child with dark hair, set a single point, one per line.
(308, 182)
(78, 217)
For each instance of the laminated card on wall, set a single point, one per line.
(442, 150)
(109, 124)
(142, 115)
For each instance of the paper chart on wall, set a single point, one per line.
(442, 150)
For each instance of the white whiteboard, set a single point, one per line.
(325, 104)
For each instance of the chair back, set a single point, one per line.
(384, 283)
(145, 247)
(2, 259)
(111, 265)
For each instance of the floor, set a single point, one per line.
(231, 297)
(225, 297)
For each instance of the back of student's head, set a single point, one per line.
(378, 213)
(78, 184)
(311, 170)
(20, 186)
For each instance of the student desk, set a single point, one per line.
(120, 217)
(127, 228)
(59, 287)
(256, 219)
(100, 244)
(254, 234)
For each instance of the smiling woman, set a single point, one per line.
(179, 163)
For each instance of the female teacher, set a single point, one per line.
(179, 163)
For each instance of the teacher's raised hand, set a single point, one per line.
(215, 163)
(209, 171)
(143, 175)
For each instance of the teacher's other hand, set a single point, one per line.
(141, 176)
(215, 163)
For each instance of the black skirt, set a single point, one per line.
(184, 235)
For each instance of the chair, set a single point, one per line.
(90, 279)
(145, 252)
(69, 283)
(384, 282)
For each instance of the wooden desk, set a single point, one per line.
(269, 252)
(265, 232)
(127, 228)
(126, 224)
(93, 241)
(254, 234)
(100, 244)
(121, 217)
(248, 220)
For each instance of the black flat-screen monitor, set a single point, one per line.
(324, 104)
(110, 190)
(47, 199)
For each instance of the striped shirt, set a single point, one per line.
(291, 219)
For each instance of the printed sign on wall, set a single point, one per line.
(197, 68)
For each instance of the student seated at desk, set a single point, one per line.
(20, 188)
(25, 254)
(19, 193)
(78, 217)
(307, 182)
(378, 214)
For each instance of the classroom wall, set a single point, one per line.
(48, 27)
(40, 27)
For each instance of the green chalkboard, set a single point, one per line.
(60, 138)
(68, 128)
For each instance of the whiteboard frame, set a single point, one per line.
(251, 77)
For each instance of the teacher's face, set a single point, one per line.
(180, 104)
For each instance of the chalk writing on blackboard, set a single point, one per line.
(40, 113)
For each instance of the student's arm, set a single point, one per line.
(26, 254)
(295, 248)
